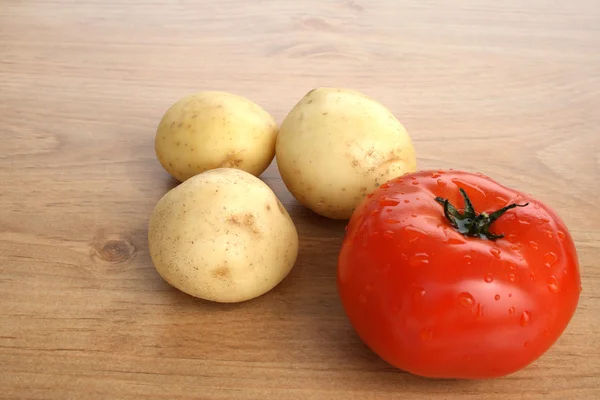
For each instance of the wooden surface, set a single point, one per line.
(509, 88)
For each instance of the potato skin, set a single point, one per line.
(336, 145)
(213, 129)
(222, 236)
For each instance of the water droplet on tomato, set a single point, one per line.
(364, 241)
(413, 233)
(553, 284)
(388, 210)
(495, 252)
(533, 245)
(488, 278)
(414, 178)
(525, 318)
(362, 298)
(466, 299)
(479, 311)
(369, 195)
(387, 202)
(497, 297)
(441, 182)
(512, 277)
(415, 182)
(419, 294)
(550, 258)
(413, 215)
(561, 235)
(511, 311)
(426, 334)
(455, 240)
(391, 221)
(501, 201)
(511, 265)
(374, 212)
(385, 186)
(510, 295)
(406, 201)
(549, 234)
(514, 247)
(388, 234)
(532, 276)
(524, 222)
(468, 259)
(418, 260)
(436, 175)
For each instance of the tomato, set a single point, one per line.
(463, 292)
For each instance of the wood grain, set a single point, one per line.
(509, 88)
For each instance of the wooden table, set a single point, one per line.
(509, 88)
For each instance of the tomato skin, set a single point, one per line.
(438, 304)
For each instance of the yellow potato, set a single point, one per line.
(336, 145)
(212, 129)
(222, 236)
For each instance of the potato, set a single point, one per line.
(222, 236)
(336, 145)
(212, 129)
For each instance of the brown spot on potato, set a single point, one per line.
(222, 273)
(233, 163)
(179, 125)
(325, 113)
(355, 163)
(247, 221)
(280, 206)
(310, 101)
(268, 207)
(301, 116)
(363, 189)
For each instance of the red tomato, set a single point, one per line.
(444, 293)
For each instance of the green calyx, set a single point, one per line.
(469, 223)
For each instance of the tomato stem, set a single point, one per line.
(469, 223)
